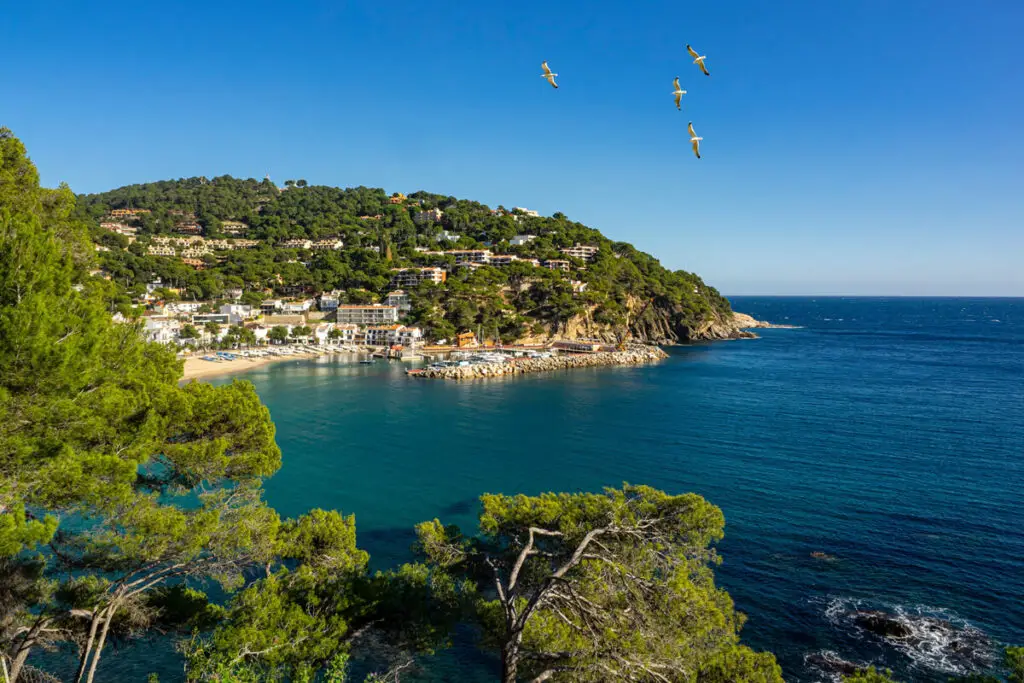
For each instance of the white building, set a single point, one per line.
(160, 250)
(389, 335)
(520, 240)
(445, 235)
(430, 215)
(296, 244)
(471, 255)
(369, 314)
(556, 264)
(271, 306)
(399, 299)
(237, 312)
(233, 227)
(402, 278)
(184, 307)
(578, 287)
(297, 307)
(233, 293)
(348, 332)
(581, 251)
(331, 243)
(161, 330)
(329, 302)
(525, 212)
(119, 228)
(503, 259)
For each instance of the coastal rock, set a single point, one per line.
(936, 642)
(829, 662)
(518, 366)
(882, 624)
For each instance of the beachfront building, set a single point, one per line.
(470, 255)
(296, 244)
(556, 264)
(368, 314)
(466, 340)
(391, 335)
(428, 216)
(402, 278)
(585, 252)
(400, 299)
(520, 240)
(349, 333)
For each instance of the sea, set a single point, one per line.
(869, 458)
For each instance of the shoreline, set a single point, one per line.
(197, 368)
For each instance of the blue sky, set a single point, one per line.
(850, 147)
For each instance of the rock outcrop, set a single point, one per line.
(518, 366)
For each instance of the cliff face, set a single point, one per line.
(653, 322)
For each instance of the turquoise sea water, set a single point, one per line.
(888, 433)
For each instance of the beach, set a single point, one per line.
(197, 368)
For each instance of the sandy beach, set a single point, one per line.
(197, 368)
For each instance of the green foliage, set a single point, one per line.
(94, 428)
(627, 290)
(278, 333)
(599, 586)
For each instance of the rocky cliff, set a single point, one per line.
(654, 322)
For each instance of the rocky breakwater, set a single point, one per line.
(518, 366)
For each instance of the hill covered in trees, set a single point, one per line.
(615, 293)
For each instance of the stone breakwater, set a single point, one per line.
(519, 366)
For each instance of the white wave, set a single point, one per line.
(932, 638)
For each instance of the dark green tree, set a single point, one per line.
(597, 587)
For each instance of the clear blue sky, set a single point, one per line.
(850, 146)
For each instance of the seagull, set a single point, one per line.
(695, 140)
(698, 60)
(548, 75)
(678, 93)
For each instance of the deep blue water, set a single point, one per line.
(888, 433)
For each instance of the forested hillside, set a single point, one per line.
(617, 293)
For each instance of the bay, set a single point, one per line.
(886, 433)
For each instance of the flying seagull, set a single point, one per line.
(678, 93)
(695, 140)
(548, 75)
(698, 60)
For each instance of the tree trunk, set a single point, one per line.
(84, 659)
(24, 648)
(99, 645)
(510, 658)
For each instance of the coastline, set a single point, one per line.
(197, 368)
